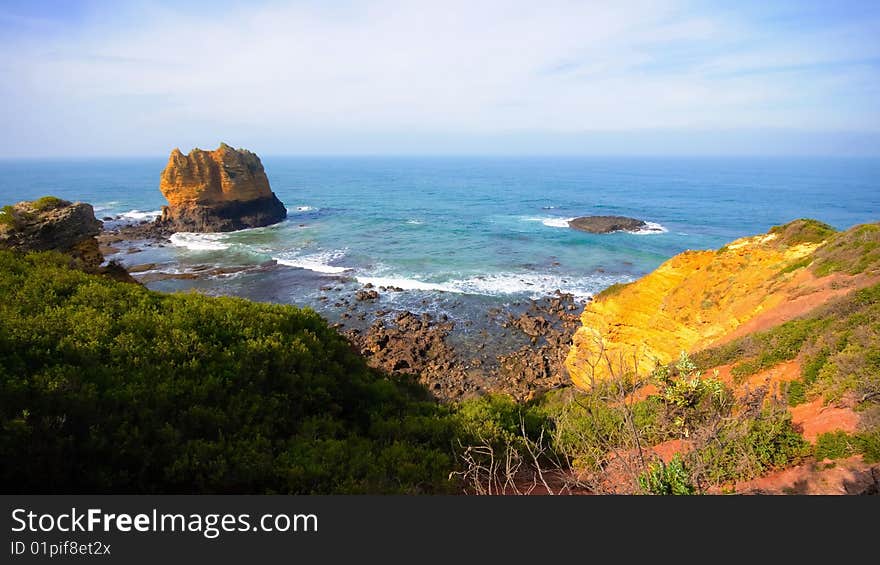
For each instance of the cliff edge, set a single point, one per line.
(699, 299)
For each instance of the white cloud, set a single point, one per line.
(158, 76)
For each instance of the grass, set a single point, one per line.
(47, 203)
(611, 291)
(800, 264)
(7, 216)
(854, 251)
(835, 445)
(761, 350)
(839, 345)
(802, 230)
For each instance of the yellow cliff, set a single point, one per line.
(700, 298)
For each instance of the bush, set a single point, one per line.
(797, 393)
(610, 291)
(47, 203)
(854, 251)
(667, 479)
(869, 445)
(7, 216)
(803, 230)
(109, 387)
(835, 445)
(688, 398)
(751, 447)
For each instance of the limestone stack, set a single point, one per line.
(217, 191)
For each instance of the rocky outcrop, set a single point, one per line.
(703, 298)
(52, 224)
(215, 191)
(526, 361)
(607, 224)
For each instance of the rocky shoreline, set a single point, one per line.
(515, 354)
(519, 349)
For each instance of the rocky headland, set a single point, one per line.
(702, 298)
(216, 191)
(52, 224)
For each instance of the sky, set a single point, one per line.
(622, 77)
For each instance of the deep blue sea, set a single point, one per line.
(476, 228)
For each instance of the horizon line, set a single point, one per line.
(526, 155)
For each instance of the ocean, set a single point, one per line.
(458, 233)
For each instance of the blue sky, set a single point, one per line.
(440, 77)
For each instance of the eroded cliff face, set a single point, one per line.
(702, 298)
(52, 224)
(221, 190)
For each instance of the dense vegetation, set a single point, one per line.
(803, 230)
(604, 437)
(108, 387)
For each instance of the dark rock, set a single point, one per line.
(607, 224)
(52, 224)
(362, 295)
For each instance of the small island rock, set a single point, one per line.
(607, 224)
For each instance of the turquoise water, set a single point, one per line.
(472, 227)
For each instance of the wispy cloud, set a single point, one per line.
(149, 75)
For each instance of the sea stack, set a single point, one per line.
(216, 191)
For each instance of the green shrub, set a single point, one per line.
(869, 445)
(835, 445)
(799, 264)
(109, 387)
(802, 230)
(840, 343)
(610, 291)
(47, 203)
(751, 447)
(7, 216)
(688, 398)
(667, 479)
(797, 393)
(854, 251)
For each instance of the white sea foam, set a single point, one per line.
(199, 241)
(406, 284)
(551, 221)
(415, 222)
(300, 209)
(105, 206)
(651, 228)
(318, 262)
(556, 222)
(503, 284)
(139, 215)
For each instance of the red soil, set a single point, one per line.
(845, 476)
(811, 292)
(814, 419)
